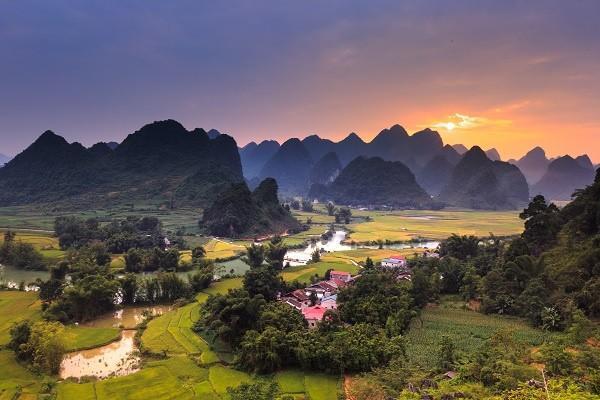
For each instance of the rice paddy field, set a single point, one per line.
(467, 329)
(193, 369)
(432, 225)
(45, 242)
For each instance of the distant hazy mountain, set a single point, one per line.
(585, 162)
(493, 154)
(350, 147)
(435, 175)
(533, 165)
(563, 177)
(237, 212)
(3, 160)
(373, 181)
(112, 145)
(290, 166)
(480, 183)
(460, 148)
(318, 147)
(255, 156)
(162, 163)
(326, 169)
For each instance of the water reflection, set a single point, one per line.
(127, 318)
(115, 359)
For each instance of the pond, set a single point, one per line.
(127, 317)
(13, 277)
(115, 359)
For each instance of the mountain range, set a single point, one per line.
(423, 152)
(162, 163)
(166, 165)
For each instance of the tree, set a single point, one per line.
(198, 253)
(254, 391)
(330, 209)
(45, 346)
(315, 256)
(264, 280)
(344, 215)
(542, 224)
(369, 264)
(446, 354)
(307, 206)
(19, 335)
(471, 284)
(255, 255)
(275, 252)
(461, 247)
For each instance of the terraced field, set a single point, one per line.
(467, 329)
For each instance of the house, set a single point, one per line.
(294, 303)
(329, 302)
(337, 283)
(321, 289)
(300, 296)
(394, 262)
(313, 315)
(341, 275)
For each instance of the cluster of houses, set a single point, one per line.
(314, 300)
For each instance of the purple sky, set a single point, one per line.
(509, 74)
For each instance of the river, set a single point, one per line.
(336, 243)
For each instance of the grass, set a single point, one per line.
(81, 338)
(222, 377)
(16, 306)
(432, 225)
(467, 329)
(13, 376)
(303, 273)
(321, 386)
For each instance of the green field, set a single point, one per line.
(432, 225)
(16, 306)
(303, 273)
(44, 242)
(358, 255)
(467, 329)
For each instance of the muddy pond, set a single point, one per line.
(115, 359)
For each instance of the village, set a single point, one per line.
(316, 299)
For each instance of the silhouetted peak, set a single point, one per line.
(266, 192)
(292, 143)
(112, 145)
(475, 154)
(50, 138)
(213, 133)
(352, 138)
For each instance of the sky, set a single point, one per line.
(504, 74)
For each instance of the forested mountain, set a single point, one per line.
(237, 212)
(480, 183)
(290, 166)
(325, 169)
(373, 181)
(563, 176)
(161, 163)
(255, 156)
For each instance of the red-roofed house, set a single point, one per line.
(313, 315)
(341, 275)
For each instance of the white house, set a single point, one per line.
(394, 262)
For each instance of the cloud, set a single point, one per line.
(459, 121)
